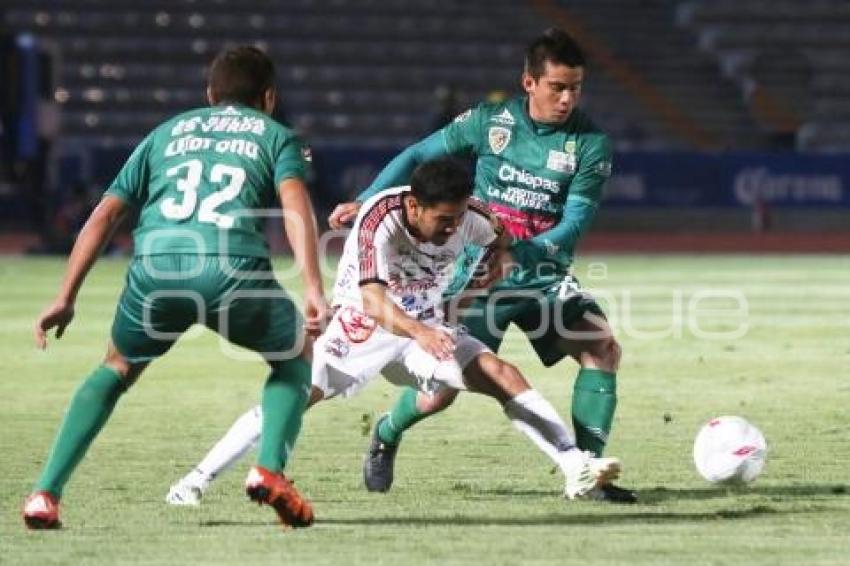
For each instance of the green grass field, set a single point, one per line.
(469, 489)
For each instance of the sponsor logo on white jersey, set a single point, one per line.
(337, 347)
(499, 138)
(356, 324)
(503, 117)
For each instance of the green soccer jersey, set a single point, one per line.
(527, 173)
(205, 181)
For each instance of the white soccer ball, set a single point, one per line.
(729, 449)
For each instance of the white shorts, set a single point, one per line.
(354, 350)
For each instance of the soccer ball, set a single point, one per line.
(729, 449)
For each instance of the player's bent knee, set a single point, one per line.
(510, 377)
(430, 404)
(127, 370)
(603, 354)
(606, 354)
(617, 352)
(316, 396)
(504, 381)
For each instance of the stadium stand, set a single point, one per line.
(349, 65)
(788, 55)
(686, 89)
(666, 59)
(123, 67)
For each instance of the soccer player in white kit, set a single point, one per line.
(388, 319)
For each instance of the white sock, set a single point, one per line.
(536, 418)
(242, 436)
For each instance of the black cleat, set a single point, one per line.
(379, 463)
(613, 494)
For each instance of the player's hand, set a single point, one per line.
(436, 342)
(497, 268)
(343, 214)
(317, 313)
(58, 315)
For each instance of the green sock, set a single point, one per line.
(87, 413)
(594, 402)
(402, 416)
(285, 398)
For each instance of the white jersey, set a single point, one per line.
(380, 248)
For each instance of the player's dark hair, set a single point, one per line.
(556, 46)
(441, 180)
(242, 75)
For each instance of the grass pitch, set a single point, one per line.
(761, 337)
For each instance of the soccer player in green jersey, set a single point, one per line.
(202, 183)
(541, 165)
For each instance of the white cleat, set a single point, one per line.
(185, 493)
(586, 473)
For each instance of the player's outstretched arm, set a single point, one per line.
(300, 224)
(387, 314)
(396, 173)
(92, 238)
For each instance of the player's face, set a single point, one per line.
(553, 96)
(436, 223)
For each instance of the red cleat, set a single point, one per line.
(273, 489)
(41, 511)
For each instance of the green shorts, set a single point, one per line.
(543, 315)
(238, 297)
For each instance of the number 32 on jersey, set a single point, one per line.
(189, 175)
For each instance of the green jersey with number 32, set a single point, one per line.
(205, 181)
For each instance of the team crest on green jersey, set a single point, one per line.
(499, 138)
